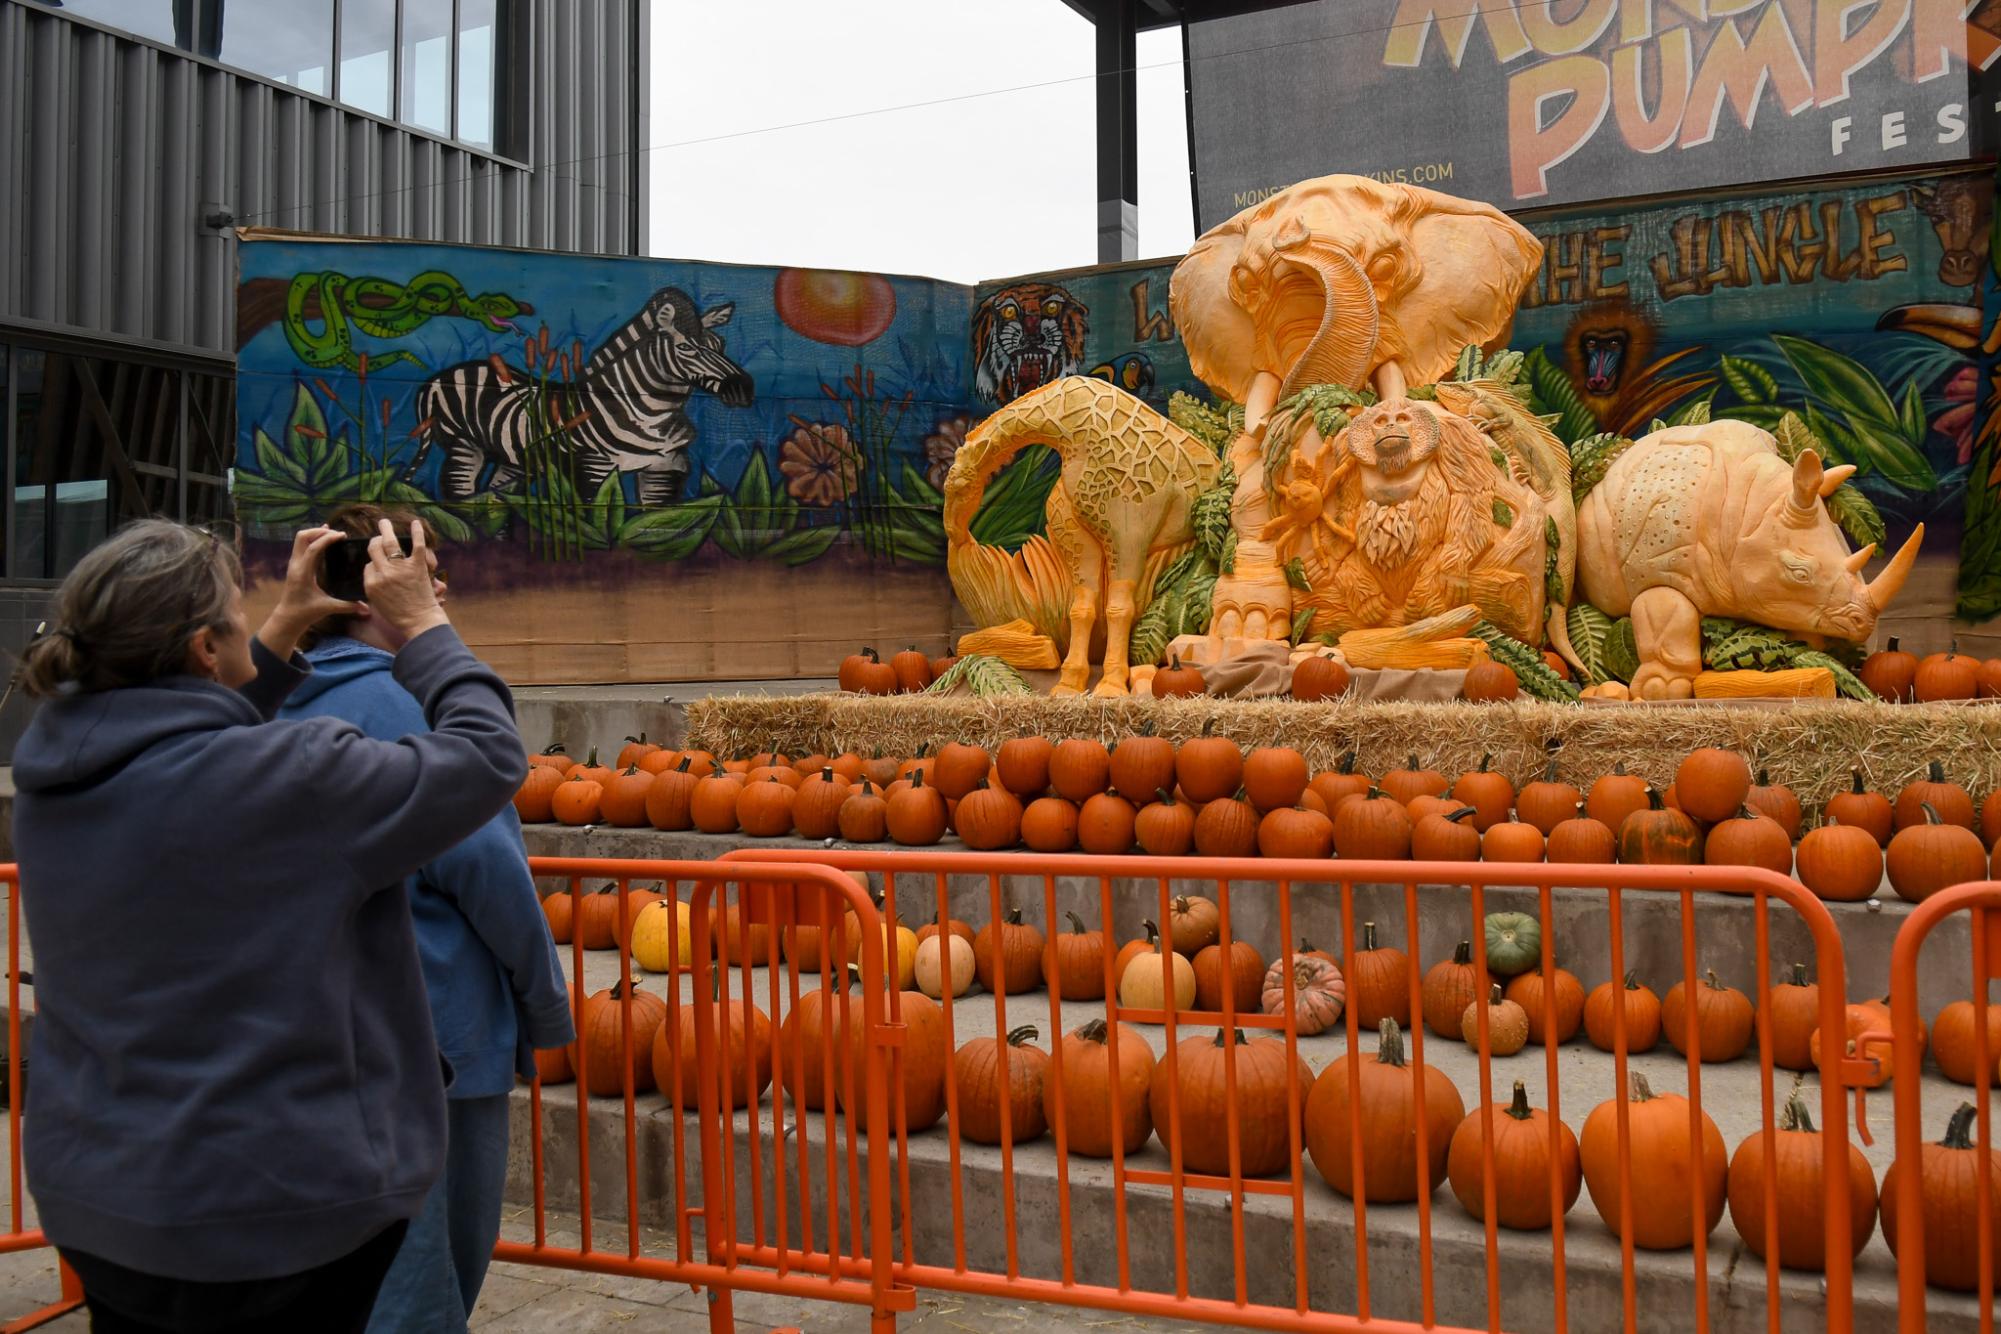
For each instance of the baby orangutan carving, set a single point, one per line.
(1418, 518)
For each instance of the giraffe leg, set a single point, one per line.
(1085, 563)
(1131, 530)
(1119, 606)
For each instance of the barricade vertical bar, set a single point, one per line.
(1698, 1202)
(1171, 1061)
(1417, 1101)
(535, 1158)
(1295, 1107)
(899, 1137)
(582, 1072)
(1559, 1314)
(1622, 1111)
(1483, 1027)
(1358, 1171)
(684, 1240)
(1769, 1167)
(781, 934)
(1231, 1118)
(1983, 1164)
(718, 1236)
(14, 1170)
(1118, 1112)
(625, 1074)
(1005, 1084)
(753, 1135)
(947, 1010)
(1058, 1124)
(728, 940)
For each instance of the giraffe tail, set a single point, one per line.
(997, 585)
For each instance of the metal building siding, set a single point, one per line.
(113, 150)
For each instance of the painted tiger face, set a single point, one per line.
(1024, 336)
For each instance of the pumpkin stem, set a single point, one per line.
(1013, 917)
(1076, 923)
(1549, 774)
(1632, 980)
(1855, 777)
(916, 779)
(1368, 935)
(1714, 985)
(1799, 975)
(592, 762)
(1958, 1131)
(717, 770)
(1931, 812)
(1166, 797)
(1413, 762)
(1937, 771)
(1152, 934)
(1485, 759)
(682, 767)
(1094, 1031)
(1893, 645)
(1494, 994)
(1347, 765)
(1389, 1050)
(1619, 768)
(1223, 1033)
(1461, 813)
(1519, 1108)
(1745, 812)
(1654, 799)
(1026, 1033)
(826, 773)
(1462, 953)
(554, 748)
(871, 655)
(638, 740)
(1641, 1091)
(1796, 1116)
(1764, 778)
(1209, 725)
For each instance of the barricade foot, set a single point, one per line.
(71, 1299)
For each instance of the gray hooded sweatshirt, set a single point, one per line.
(235, 1075)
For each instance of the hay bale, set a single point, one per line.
(1809, 745)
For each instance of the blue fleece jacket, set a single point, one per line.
(234, 1073)
(497, 989)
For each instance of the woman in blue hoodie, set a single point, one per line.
(237, 1105)
(496, 986)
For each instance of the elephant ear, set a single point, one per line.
(1474, 262)
(1223, 356)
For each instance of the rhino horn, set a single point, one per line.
(1885, 587)
(1834, 477)
(1806, 482)
(1855, 562)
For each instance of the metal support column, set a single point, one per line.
(1118, 131)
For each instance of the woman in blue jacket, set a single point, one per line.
(495, 984)
(237, 1104)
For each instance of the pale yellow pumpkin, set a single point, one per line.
(1140, 987)
(953, 965)
(662, 939)
(899, 955)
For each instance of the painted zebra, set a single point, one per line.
(632, 397)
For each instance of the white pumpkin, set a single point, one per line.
(942, 958)
(1139, 986)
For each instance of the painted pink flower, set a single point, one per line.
(941, 447)
(1956, 422)
(820, 464)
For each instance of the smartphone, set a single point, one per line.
(342, 565)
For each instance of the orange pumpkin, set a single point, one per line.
(1331, 785)
(1412, 781)
(1777, 801)
(745, 1045)
(1923, 859)
(1240, 977)
(1490, 795)
(864, 816)
(1952, 1042)
(1490, 682)
(1749, 838)
(1855, 1021)
(1274, 777)
(1387, 1112)
(1658, 836)
(1372, 827)
(1562, 1000)
(1294, 831)
(1049, 825)
(1079, 769)
(1547, 802)
(1792, 1012)
(987, 818)
(1723, 1020)
(1141, 766)
(960, 768)
(1711, 784)
(764, 810)
(1581, 840)
(1080, 961)
(713, 805)
(1318, 677)
(1009, 952)
(1448, 837)
(1798, 1160)
(925, 1052)
(1165, 828)
(1950, 800)
(1511, 841)
(1379, 982)
(977, 1069)
(1023, 763)
(1891, 673)
(598, 1050)
(533, 799)
(916, 816)
(816, 811)
(1449, 988)
(1618, 794)
(1178, 680)
(1949, 1173)
(1226, 828)
(1642, 1011)
(1661, 1158)
(1105, 825)
(1841, 862)
(1208, 767)
(1523, 1164)
(1094, 1112)
(576, 801)
(1947, 675)
(670, 800)
(1200, 1081)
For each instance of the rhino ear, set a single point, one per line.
(1806, 480)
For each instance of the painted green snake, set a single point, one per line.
(382, 308)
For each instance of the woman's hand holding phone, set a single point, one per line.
(401, 590)
(304, 602)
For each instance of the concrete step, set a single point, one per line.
(1725, 924)
(980, 1231)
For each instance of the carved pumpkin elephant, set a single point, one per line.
(1339, 280)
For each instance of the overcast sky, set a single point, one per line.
(950, 138)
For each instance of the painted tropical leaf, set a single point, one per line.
(1748, 380)
(1875, 427)
(1555, 393)
(1912, 414)
(674, 532)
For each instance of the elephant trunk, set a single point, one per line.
(1344, 346)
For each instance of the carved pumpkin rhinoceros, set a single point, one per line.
(1710, 520)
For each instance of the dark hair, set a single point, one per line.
(125, 614)
(360, 519)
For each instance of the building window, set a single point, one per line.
(434, 65)
(290, 41)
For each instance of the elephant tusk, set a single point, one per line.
(1855, 562)
(1260, 401)
(1890, 582)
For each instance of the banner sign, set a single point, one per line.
(1524, 103)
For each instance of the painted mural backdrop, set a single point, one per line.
(566, 406)
(1858, 308)
(1980, 549)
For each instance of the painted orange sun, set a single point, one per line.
(834, 306)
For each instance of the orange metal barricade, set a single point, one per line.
(18, 1236)
(1983, 900)
(929, 874)
(783, 899)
